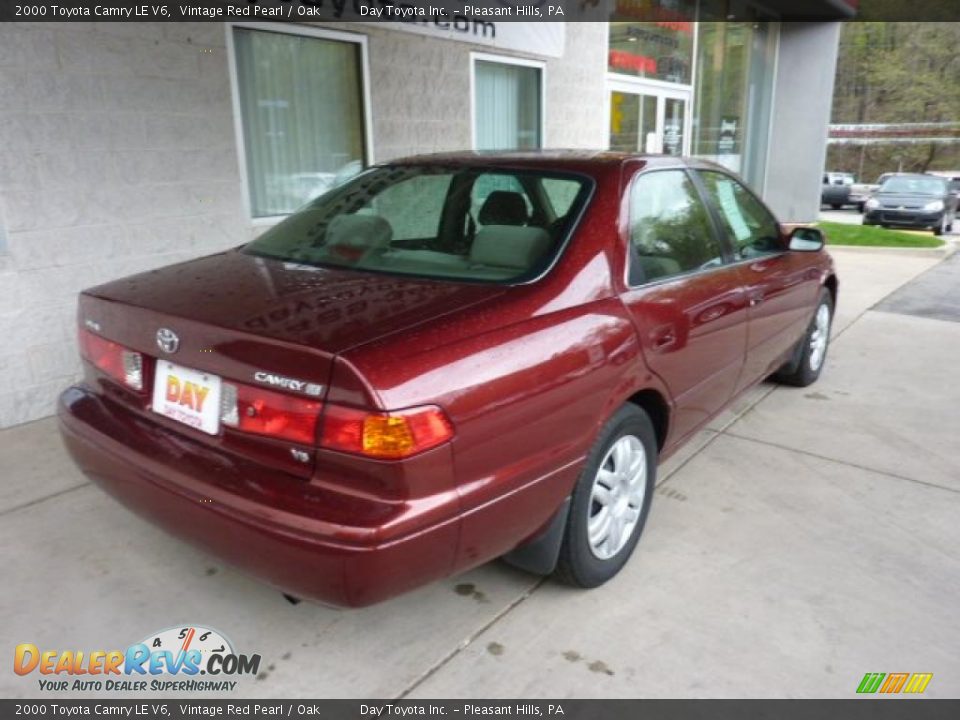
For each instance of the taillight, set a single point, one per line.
(123, 365)
(388, 436)
(262, 412)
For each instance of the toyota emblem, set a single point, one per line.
(167, 340)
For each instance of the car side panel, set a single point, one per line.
(782, 290)
(525, 401)
(693, 334)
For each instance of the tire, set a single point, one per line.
(860, 208)
(835, 206)
(941, 227)
(815, 343)
(623, 437)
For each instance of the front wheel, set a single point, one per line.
(611, 500)
(814, 346)
(941, 227)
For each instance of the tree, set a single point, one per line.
(898, 72)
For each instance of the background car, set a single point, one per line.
(913, 201)
(836, 189)
(446, 360)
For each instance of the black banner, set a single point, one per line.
(891, 709)
(445, 11)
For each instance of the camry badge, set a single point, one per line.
(303, 386)
(167, 340)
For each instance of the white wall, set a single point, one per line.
(803, 98)
(118, 154)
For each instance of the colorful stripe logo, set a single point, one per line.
(891, 683)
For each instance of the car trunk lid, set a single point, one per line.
(261, 322)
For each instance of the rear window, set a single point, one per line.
(480, 224)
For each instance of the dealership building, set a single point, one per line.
(127, 146)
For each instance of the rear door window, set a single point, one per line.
(670, 229)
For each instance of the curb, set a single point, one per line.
(944, 251)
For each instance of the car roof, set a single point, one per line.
(571, 159)
(917, 175)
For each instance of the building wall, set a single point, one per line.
(420, 91)
(118, 154)
(803, 96)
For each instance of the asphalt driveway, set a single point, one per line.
(807, 537)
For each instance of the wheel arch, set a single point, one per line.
(658, 410)
(830, 283)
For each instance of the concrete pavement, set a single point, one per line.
(805, 538)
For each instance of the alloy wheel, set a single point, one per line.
(819, 337)
(617, 496)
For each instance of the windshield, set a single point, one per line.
(482, 224)
(908, 185)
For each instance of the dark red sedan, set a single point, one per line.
(446, 360)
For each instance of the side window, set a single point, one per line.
(752, 230)
(561, 194)
(670, 230)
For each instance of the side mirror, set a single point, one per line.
(807, 239)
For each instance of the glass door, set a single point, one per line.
(649, 119)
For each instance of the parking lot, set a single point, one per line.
(807, 537)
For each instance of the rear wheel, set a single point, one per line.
(814, 346)
(611, 500)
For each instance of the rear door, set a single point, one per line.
(781, 286)
(684, 296)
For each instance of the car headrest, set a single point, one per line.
(359, 231)
(509, 246)
(503, 207)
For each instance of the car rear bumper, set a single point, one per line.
(215, 501)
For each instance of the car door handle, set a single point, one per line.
(664, 340)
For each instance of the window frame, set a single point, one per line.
(506, 60)
(300, 31)
(726, 252)
(728, 242)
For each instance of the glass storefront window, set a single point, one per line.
(733, 96)
(656, 50)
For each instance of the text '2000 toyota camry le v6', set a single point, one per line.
(446, 360)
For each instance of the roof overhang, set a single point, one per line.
(812, 10)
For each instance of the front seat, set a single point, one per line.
(503, 207)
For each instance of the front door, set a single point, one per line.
(649, 119)
(686, 299)
(781, 286)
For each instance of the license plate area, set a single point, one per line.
(189, 396)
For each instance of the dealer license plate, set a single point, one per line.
(191, 397)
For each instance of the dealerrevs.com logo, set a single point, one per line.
(185, 653)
